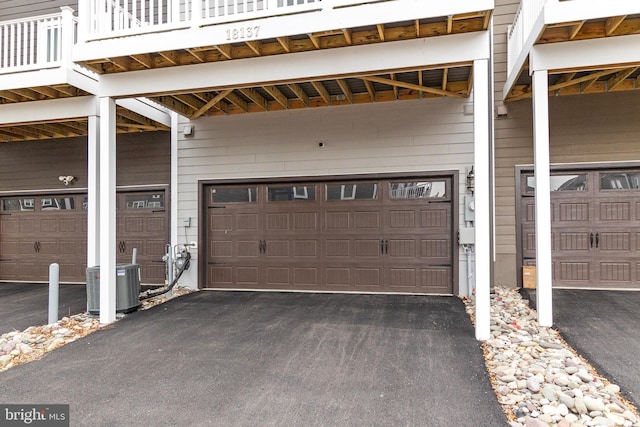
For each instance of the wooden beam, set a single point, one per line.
(395, 88)
(565, 78)
(613, 23)
(595, 75)
(206, 107)
(10, 96)
(487, 19)
(347, 36)
(285, 42)
(144, 59)
(225, 50)
(370, 89)
(198, 55)
(417, 28)
(413, 86)
(324, 93)
(258, 99)
(344, 87)
(122, 62)
(300, 93)
(621, 76)
(170, 56)
(189, 100)
(445, 75)
(575, 29)
(381, 32)
(255, 46)
(237, 101)
(28, 93)
(277, 95)
(584, 86)
(67, 90)
(47, 91)
(315, 40)
(449, 24)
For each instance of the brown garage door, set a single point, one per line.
(36, 231)
(363, 236)
(595, 218)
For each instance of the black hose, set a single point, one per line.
(163, 290)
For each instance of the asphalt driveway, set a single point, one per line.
(603, 327)
(271, 359)
(27, 304)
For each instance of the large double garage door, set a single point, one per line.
(38, 230)
(363, 235)
(595, 227)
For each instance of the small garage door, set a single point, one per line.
(36, 231)
(362, 236)
(595, 222)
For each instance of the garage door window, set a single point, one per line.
(234, 195)
(57, 204)
(366, 191)
(145, 201)
(292, 193)
(22, 204)
(417, 190)
(576, 182)
(620, 181)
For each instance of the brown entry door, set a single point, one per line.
(363, 236)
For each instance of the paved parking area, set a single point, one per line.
(272, 359)
(27, 304)
(603, 327)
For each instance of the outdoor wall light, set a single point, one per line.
(471, 180)
(188, 130)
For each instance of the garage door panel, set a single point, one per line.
(248, 275)
(436, 279)
(337, 237)
(155, 225)
(338, 248)
(619, 272)
(9, 225)
(246, 222)
(221, 275)
(49, 225)
(28, 226)
(220, 222)
(615, 241)
(246, 249)
(69, 225)
(221, 248)
(26, 248)
(305, 248)
(572, 212)
(614, 211)
(70, 247)
(574, 241)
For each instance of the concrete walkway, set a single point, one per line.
(271, 359)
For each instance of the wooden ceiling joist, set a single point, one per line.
(276, 94)
(620, 77)
(370, 90)
(225, 50)
(413, 86)
(613, 23)
(257, 99)
(144, 59)
(219, 97)
(322, 91)
(285, 42)
(299, 93)
(346, 91)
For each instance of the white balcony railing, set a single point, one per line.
(523, 24)
(36, 43)
(116, 18)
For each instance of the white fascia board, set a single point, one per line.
(48, 110)
(277, 26)
(47, 77)
(576, 55)
(146, 108)
(569, 11)
(82, 81)
(374, 58)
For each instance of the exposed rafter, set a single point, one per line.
(414, 86)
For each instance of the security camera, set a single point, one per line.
(66, 179)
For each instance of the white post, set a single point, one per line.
(196, 13)
(542, 196)
(67, 36)
(481, 134)
(174, 191)
(54, 282)
(107, 210)
(85, 18)
(93, 192)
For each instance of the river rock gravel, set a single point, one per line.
(539, 379)
(17, 347)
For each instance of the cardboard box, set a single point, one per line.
(529, 276)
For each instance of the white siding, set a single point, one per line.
(408, 136)
(16, 9)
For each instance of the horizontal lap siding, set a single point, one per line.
(17, 9)
(142, 159)
(408, 136)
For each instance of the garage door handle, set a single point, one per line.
(597, 240)
(386, 247)
(591, 240)
(159, 210)
(381, 247)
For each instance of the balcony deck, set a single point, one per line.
(178, 38)
(565, 22)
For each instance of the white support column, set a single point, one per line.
(481, 130)
(174, 179)
(107, 210)
(543, 196)
(93, 192)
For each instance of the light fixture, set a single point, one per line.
(471, 180)
(188, 130)
(66, 179)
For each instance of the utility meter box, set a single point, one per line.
(127, 288)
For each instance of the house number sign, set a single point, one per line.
(243, 33)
